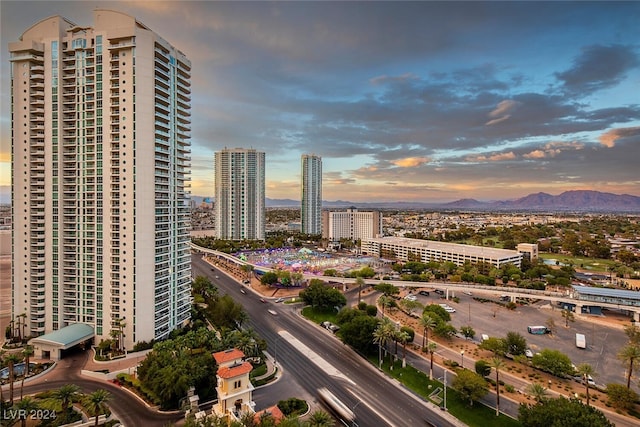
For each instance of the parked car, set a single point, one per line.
(424, 293)
(528, 353)
(410, 297)
(279, 300)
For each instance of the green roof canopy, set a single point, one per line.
(66, 337)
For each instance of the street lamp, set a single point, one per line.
(444, 408)
(462, 358)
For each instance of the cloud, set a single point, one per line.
(502, 112)
(609, 138)
(410, 162)
(598, 67)
(497, 157)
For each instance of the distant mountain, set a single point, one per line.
(579, 201)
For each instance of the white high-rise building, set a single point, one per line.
(240, 198)
(311, 186)
(101, 160)
(351, 224)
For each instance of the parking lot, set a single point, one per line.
(603, 342)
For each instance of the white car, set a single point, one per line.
(411, 297)
(450, 309)
(528, 353)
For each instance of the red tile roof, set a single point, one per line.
(228, 355)
(275, 412)
(234, 370)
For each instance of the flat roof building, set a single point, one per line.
(430, 250)
(101, 137)
(351, 224)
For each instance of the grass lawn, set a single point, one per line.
(476, 416)
(318, 315)
(594, 264)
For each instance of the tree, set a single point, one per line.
(538, 391)
(28, 405)
(561, 412)
(11, 359)
(568, 316)
(516, 343)
(632, 332)
(320, 418)
(410, 306)
(383, 333)
(482, 367)
(438, 311)
(621, 397)
(427, 323)
(95, 403)
(550, 324)
(358, 331)
(470, 385)
(431, 347)
(554, 362)
(467, 331)
(497, 364)
(385, 302)
(319, 295)
(387, 289)
(630, 354)
(27, 352)
(496, 345)
(403, 337)
(66, 395)
(360, 283)
(585, 371)
(269, 278)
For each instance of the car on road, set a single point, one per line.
(263, 300)
(242, 291)
(217, 277)
(273, 312)
(330, 326)
(467, 293)
(279, 300)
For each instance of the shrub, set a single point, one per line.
(483, 368)
(293, 406)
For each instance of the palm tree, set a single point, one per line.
(428, 323)
(630, 353)
(360, 283)
(384, 301)
(11, 360)
(27, 405)
(568, 317)
(27, 352)
(538, 391)
(320, 419)
(403, 337)
(95, 402)
(585, 370)
(66, 395)
(381, 335)
(497, 364)
(431, 347)
(2, 353)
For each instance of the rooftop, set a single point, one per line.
(234, 370)
(228, 355)
(607, 292)
(67, 336)
(471, 250)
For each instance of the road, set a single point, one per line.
(374, 399)
(124, 406)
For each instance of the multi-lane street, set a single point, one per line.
(374, 399)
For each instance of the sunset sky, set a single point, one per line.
(404, 101)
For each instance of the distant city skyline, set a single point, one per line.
(404, 101)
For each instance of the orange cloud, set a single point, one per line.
(502, 112)
(410, 162)
(609, 138)
(493, 158)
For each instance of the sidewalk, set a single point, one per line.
(131, 360)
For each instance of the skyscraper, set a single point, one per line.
(240, 203)
(311, 186)
(101, 156)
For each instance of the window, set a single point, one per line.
(237, 384)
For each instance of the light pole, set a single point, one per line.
(444, 407)
(354, 411)
(462, 358)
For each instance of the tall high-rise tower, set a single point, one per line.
(101, 156)
(311, 186)
(240, 202)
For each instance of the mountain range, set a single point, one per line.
(577, 200)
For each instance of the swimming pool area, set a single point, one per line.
(18, 370)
